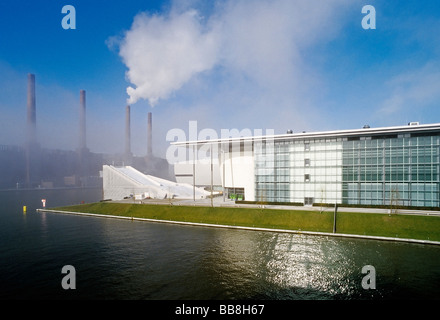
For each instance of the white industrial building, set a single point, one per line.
(366, 166)
(124, 182)
(231, 168)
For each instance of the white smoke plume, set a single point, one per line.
(163, 52)
(259, 40)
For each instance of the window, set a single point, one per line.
(307, 177)
(307, 162)
(308, 201)
(307, 146)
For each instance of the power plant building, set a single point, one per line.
(34, 166)
(368, 166)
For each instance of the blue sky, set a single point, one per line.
(260, 64)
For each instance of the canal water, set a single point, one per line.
(117, 259)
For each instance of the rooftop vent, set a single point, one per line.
(367, 126)
(289, 131)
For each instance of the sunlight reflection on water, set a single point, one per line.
(309, 263)
(138, 260)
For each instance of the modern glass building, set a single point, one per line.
(368, 166)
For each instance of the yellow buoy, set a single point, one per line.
(24, 209)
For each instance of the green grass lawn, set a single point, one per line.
(401, 226)
(395, 225)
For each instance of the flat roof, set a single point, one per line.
(410, 128)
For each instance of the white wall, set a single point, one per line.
(203, 173)
(239, 172)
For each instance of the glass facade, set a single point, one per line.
(400, 169)
(299, 171)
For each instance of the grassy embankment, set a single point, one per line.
(372, 224)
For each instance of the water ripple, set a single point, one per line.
(136, 260)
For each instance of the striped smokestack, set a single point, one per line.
(150, 135)
(127, 131)
(82, 119)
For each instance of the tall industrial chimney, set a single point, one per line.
(32, 147)
(83, 152)
(127, 132)
(31, 111)
(150, 136)
(82, 120)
